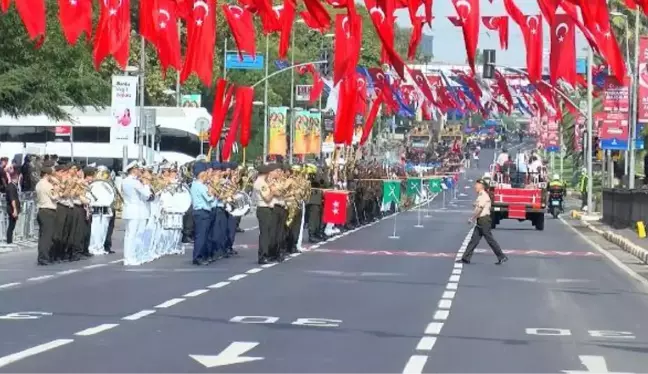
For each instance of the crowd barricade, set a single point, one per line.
(623, 208)
(26, 227)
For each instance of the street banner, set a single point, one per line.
(616, 98)
(391, 194)
(302, 132)
(191, 101)
(303, 91)
(413, 187)
(614, 131)
(435, 185)
(552, 142)
(642, 108)
(62, 130)
(579, 127)
(123, 109)
(335, 207)
(278, 137)
(315, 137)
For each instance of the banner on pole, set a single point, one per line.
(614, 131)
(642, 107)
(123, 105)
(616, 98)
(278, 137)
(303, 91)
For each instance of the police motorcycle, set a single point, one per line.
(556, 191)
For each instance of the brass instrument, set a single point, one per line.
(223, 189)
(79, 189)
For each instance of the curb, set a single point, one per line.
(623, 243)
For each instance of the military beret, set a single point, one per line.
(62, 167)
(233, 165)
(89, 170)
(199, 167)
(263, 169)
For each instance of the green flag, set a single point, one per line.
(391, 193)
(435, 185)
(414, 187)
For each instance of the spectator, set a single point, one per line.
(4, 177)
(13, 205)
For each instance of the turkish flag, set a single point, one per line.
(286, 22)
(348, 40)
(335, 207)
(501, 25)
(385, 30)
(316, 16)
(167, 39)
(240, 22)
(563, 50)
(531, 27)
(32, 13)
(201, 39)
(112, 36)
(222, 100)
(415, 38)
(76, 19)
(468, 12)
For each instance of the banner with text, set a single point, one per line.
(614, 131)
(552, 141)
(123, 109)
(278, 137)
(616, 98)
(642, 108)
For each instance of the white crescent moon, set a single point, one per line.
(561, 27)
(201, 4)
(166, 13)
(105, 2)
(345, 21)
(239, 11)
(380, 76)
(361, 81)
(463, 3)
(277, 10)
(490, 22)
(379, 11)
(534, 18)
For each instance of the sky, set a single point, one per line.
(448, 40)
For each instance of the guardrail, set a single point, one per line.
(26, 227)
(623, 208)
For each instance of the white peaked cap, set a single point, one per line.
(132, 164)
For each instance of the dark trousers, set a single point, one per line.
(279, 245)
(45, 219)
(86, 238)
(230, 231)
(584, 200)
(10, 228)
(292, 237)
(218, 232)
(483, 229)
(187, 225)
(314, 219)
(109, 233)
(238, 222)
(202, 222)
(267, 236)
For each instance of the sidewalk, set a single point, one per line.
(626, 239)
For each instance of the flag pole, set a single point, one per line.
(418, 208)
(427, 206)
(394, 236)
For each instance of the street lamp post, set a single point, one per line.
(634, 102)
(140, 118)
(588, 153)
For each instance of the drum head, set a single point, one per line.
(102, 193)
(176, 199)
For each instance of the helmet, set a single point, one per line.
(556, 177)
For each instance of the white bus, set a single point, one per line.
(87, 137)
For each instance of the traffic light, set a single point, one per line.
(325, 68)
(489, 64)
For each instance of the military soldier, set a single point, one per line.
(264, 195)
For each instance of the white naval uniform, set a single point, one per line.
(135, 214)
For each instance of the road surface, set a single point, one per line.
(361, 302)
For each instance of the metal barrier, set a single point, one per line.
(623, 208)
(26, 227)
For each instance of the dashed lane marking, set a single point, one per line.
(9, 285)
(66, 272)
(415, 363)
(95, 266)
(514, 252)
(96, 329)
(42, 277)
(138, 315)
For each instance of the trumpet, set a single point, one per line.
(223, 189)
(80, 186)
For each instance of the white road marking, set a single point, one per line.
(7, 285)
(441, 315)
(458, 266)
(448, 294)
(434, 328)
(456, 271)
(218, 285)
(253, 271)
(138, 315)
(195, 293)
(415, 364)
(170, 303)
(237, 277)
(96, 329)
(445, 304)
(42, 277)
(66, 272)
(6, 360)
(117, 261)
(426, 343)
(452, 286)
(95, 266)
(608, 255)
(454, 278)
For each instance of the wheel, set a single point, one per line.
(555, 213)
(539, 222)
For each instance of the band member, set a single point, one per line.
(104, 174)
(201, 201)
(481, 216)
(218, 232)
(88, 174)
(279, 184)
(135, 214)
(46, 204)
(63, 220)
(230, 220)
(263, 197)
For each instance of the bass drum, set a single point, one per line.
(241, 204)
(101, 193)
(175, 199)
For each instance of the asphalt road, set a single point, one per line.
(362, 302)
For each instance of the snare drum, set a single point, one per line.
(172, 221)
(175, 199)
(101, 211)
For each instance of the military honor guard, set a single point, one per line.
(136, 212)
(46, 216)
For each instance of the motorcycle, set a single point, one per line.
(555, 203)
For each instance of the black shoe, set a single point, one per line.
(43, 263)
(263, 261)
(199, 262)
(109, 251)
(463, 261)
(501, 260)
(238, 229)
(210, 260)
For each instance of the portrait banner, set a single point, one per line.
(315, 133)
(642, 108)
(302, 132)
(277, 134)
(123, 105)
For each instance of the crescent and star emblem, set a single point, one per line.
(378, 11)
(277, 10)
(534, 28)
(463, 4)
(112, 11)
(201, 4)
(562, 26)
(345, 28)
(167, 18)
(236, 11)
(491, 24)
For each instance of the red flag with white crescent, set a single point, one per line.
(112, 36)
(501, 25)
(563, 50)
(240, 23)
(468, 12)
(201, 40)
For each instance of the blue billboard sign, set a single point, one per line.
(639, 138)
(233, 61)
(581, 66)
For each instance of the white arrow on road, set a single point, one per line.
(594, 364)
(233, 354)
